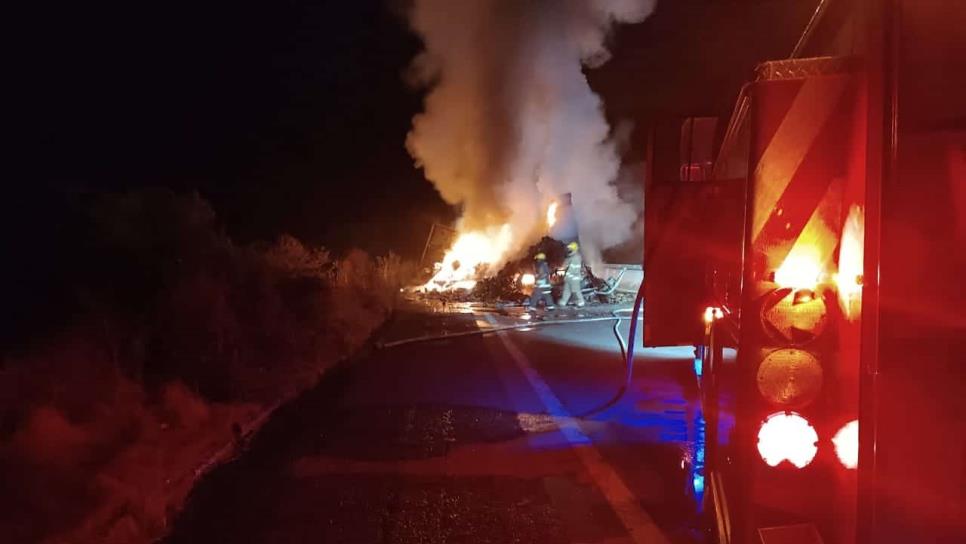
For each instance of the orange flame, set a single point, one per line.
(472, 254)
(551, 214)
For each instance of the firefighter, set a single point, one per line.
(541, 286)
(573, 267)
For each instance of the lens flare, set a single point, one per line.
(799, 271)
(851, 253)
(846, 443)
(787, 436)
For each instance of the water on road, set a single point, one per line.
(475, 438)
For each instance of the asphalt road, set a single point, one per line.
(472, 439)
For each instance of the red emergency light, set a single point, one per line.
(846, 442)
(787, 436)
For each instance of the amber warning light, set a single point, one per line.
(799, 271)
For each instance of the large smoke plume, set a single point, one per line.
(510, 120)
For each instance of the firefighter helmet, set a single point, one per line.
(540, 257)
(572, 246)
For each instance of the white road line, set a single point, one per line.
(486, 323)
(640, 526)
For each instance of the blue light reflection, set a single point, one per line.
(697, 456)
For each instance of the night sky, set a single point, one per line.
(290, 116)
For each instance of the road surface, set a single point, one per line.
(472, 439)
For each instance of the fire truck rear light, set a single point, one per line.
(787, 436)
(711, 313)
(846, 443)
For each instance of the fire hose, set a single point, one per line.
(475, 332)
(627, 351)
(626, 347)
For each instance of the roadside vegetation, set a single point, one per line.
(155, 345)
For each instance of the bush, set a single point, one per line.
(172, 316)
(47, 438)
(182, 407)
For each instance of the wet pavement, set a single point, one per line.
(472, 439)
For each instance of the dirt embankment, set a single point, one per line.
(171, 348)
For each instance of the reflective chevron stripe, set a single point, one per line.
(798, 176)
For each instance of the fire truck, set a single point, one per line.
(813, 248)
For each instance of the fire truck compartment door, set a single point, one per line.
(692, 249)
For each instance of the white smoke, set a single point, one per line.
(510, 120)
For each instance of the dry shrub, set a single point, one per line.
(50, 465)
(292, 258)
(396, 272)
(356, 270)
(194, 331)
(49, 439)
(172, 316)
(352, 317)
(73, 372)
(81, 418)
(182, 407)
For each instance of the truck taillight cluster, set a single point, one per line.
(787, 436)
(799, 319)
(795, 347)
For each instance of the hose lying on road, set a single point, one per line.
(627, 352)
(627, 348)
(530, 324)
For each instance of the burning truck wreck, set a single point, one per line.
(468, 271)
(514, 137)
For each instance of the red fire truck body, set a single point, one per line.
(825, 241)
